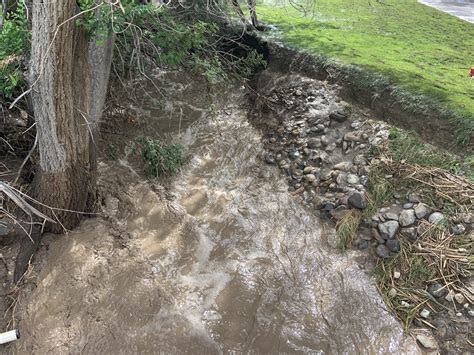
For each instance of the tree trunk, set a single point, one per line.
(69, 79)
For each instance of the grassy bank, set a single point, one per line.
(419, 48)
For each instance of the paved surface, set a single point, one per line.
(464, 9)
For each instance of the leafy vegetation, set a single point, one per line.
(421, 49)
(14, 45)
(160, 159)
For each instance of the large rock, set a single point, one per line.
(357, 200)
(388, 229)
(407, 218)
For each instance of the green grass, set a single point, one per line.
(422, 50)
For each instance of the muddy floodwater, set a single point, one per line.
(223, 260)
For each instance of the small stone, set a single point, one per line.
(310, 177)
(393, 245)
(363, 245)
(458, 229)
(413, 198)
(352, 137)
(427, 342)
(294, 154)
(407, 218)
(328, 206)
(450, 296)
(325, 140)
(388, 229)
(459, 297)
(391, 216)
(425, 313)
(422, 210)
(352, 179)
(270, 159)
(405, 304)
(392, 292)
(382, 251)
(437, 290)
(339, 212)
(331, 147)
(471, 313)
(408, 205)
(357, 200)
(377, 236)
(314, 143)
(396, 274)
(436, 218)
(468, 218)
(343, 166)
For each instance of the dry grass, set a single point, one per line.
(346, 228)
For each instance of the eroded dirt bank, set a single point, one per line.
(222, 259)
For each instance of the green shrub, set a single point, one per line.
(160, 159)
(14, 45)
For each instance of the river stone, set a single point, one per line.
(363, 245)
(393, 245)
(458, 229)
(343, 166)
(331, 147)
(388, 229)
(310, 177)
(357, 200)
(436, 218)
(437, 290)
(270, 159)
(339, 212)
(314, 143)
(425, 313)
(407, 218)
(352, 137)
(459, 297)
(391, 216)
(421, 210)
(427, 342)
(382, 251)
(377, 236)
(325, 140)
(413, 198)
(352, 179)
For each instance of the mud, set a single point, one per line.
(222, 260)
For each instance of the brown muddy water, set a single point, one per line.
(223, 260)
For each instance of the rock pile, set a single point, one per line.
(322, 145)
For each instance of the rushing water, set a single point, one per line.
(223, 261)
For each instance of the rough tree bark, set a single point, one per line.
(68, 104)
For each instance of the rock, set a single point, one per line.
(377, 236)
(270, 159)
(391, 216)
(392, 292)
(388, 229)
(314, 143)
(393, 245)
(343, 166)
(407, 206)
(363, 245)
(339, 116)
(339, 212)
(410, 233)
(425, 313)
(328, 205)
(308, 170)
(352, 137)
(422, 210)
(382, 251)
(331, 147)
(450, 296)
(468, 218)
(396, 274)
(357, 200)
(436, 218)
(413, 198)
(352, 179)
(364, 180)
(459, 297)
(405, 304)
(407, 218)
(310, 177)
(427, 342)
(325, 140)
(458, 229)
(294, 154)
